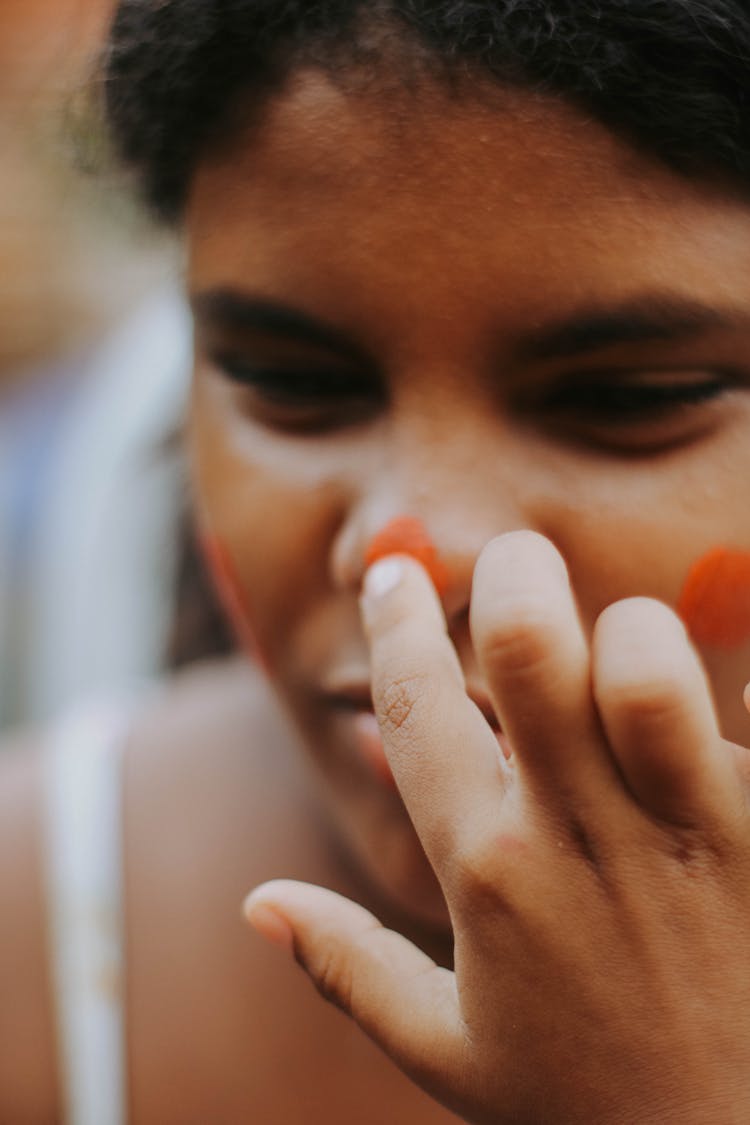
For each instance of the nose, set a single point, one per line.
(454, 527)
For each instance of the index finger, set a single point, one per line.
(443, 753)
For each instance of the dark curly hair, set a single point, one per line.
(672, 76)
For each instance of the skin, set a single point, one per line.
(606, 868)
(407, 536)
(216, 1020)
(494, 226)
(442, 326)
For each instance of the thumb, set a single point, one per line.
(398, 996)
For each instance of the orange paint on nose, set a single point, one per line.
(715, 601)
(408, 536)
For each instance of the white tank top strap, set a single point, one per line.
(85, 895)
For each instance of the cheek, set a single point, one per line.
(715, 600)
(265, 535)
(257, 566)
(232, 596)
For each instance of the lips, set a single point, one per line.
(357, 694)
(356, 698)
(369, 743)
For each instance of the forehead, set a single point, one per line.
(414, 191)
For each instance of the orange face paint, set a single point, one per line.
(408, 536)
(233, 602)
(715, 601)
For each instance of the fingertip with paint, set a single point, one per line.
(382, 578)
(406, 535)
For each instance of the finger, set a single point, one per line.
(393, 991)
(442, 751)
(655, 703)
(534, 655)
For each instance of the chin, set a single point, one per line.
(428, 912)
(406, 885)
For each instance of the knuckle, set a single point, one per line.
(397, 702)
(333, 979)
(696, 851)
(691, 856)
(338, 972)
(478, 872)
(649, 703)
(521, 637)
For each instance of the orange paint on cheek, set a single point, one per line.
(715, 601)
(408, 536)
(229, 589)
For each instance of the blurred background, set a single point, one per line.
(62, 234)
(94, 360)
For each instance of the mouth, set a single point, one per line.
(353, 701)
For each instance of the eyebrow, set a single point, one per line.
(649, 318)
(235, 311)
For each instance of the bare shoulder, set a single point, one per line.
(212, 770)
(222, 701)
(27, 1067)
(215, 802)
(208, 753)
(218, 798)
(207, 770)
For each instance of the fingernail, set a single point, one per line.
(269, 924)
(382, 578)
(747, 697)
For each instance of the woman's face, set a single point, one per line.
(488, 317)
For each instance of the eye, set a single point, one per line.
(637, 409)
(301, 396)
(620, 400)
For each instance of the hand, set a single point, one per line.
(598, 884)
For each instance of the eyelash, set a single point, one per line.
(303, 399)
(626, 402)
(287, 383)
(309, 400)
